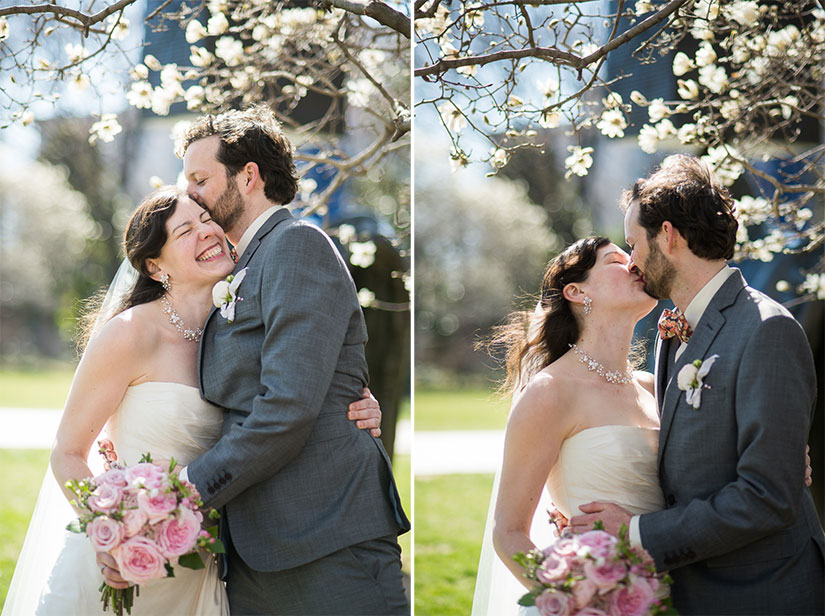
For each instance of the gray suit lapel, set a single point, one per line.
(277, 217)
(706, 330)
(660, 376)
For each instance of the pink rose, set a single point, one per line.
(553, 603)
(139, 560)
(633, 600)
(607, 575)
(105, 498)
(158, 506)
(133, 521)
(583, 591)
(179, 535)
(590, 611)
(114, 477)
(566, 548)
(104, 533)
(553, 568)
(599, 543)
(146, 474)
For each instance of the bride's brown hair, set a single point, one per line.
(533, 339)
(143, 239)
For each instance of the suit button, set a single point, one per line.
(222, 480)
(671, 500)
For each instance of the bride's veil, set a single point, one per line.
(47, 529)
(497, 590)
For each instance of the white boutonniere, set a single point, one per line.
(690, 379)
(225, 294)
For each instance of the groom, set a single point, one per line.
(739, 532)
(311, 512)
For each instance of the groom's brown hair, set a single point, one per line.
(685, 192)
(251, 135)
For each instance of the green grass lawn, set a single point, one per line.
(463, 409)
(450, 512)
(45, 388)
(23, 472)
(402, 469)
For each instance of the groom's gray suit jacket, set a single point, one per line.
(297, 478)
(739, 533)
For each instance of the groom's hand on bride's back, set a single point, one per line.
(366, 413)
(611, 515)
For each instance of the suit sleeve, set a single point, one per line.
(773, 400)
(306, 296)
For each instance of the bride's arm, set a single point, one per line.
(103, 374)
(539, 421)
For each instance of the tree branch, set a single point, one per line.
(83, 18)
(375, 9)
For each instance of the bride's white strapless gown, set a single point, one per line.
(57, 574)
(616, 464)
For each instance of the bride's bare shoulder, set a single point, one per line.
(543, 399)
(130, 331)
(645, 379)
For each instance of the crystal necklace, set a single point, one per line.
(616, 376)
(174, 318)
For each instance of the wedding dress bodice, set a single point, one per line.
(616, 464)
(166, 419)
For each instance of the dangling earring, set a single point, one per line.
(164, 282)
(588, 305)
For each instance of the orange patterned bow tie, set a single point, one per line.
(673, 323)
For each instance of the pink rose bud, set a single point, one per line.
(104, 533)
(147, 475)
(105, 498)
(157, 507)
(553, 603)
(133, 521)
(633, 600)
(177, 536)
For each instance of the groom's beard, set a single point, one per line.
(659, 273)
(228, 207)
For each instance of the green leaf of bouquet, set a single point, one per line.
(172, 465)
(170, 572)
(214, 514)
(623, 532)
(217, 547)
(598, 525)
(192, 560)
(527, 600)
(75, 526)
(146, 457)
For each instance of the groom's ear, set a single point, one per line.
(250, 176)
(672, 236)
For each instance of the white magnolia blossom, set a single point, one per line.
(657, 110)
(140, 95)
(752, 210)
(788, 105)
(687, 89)
(638, 98)
(359, 92)
(648, 139)
(714, 78)
(4, 28)
(26, 118)
(162, 100)
(729, 109)
(744, 13)
(515, 101)
(365, 297)
(346, 234)
(230, 50)
(362, 254)
(705, 55)
(105, 129)
(643, 6)
(156, 182)
(706, 9)
(139, 72)
(195, 31)
(665, 129)
(550, 119)
(217, 25)
(579, 161)
(499, 158)
(79, 81)
(815, 283)
(612, 101)
(687, 133)
(682, 64)
(474, 17)
(724, 160)
(200, 57)
(152, 62)
(612, 123)
(194, 97)
(75, 53)
(452, 117)
(549, 89)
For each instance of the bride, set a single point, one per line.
(583, 426)
(137, 379)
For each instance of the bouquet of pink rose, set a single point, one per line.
(594, 574)
(147, 519)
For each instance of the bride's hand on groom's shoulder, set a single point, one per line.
(366, 413)
(611, 515)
